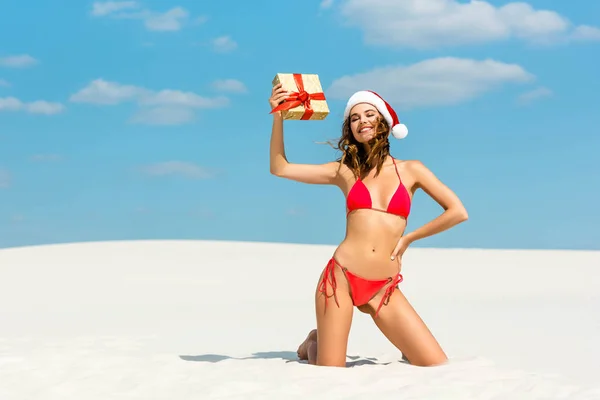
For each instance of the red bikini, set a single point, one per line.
(364, 290)
(360, 197)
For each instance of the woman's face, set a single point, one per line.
(364, 119)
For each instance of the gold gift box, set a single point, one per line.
(312, 86)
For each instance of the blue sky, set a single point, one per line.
(149, 120)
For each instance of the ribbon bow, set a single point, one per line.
(301, 97)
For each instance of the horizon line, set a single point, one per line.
(257, 242)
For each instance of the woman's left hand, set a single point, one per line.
(401, 247)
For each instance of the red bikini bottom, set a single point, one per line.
(361, 290)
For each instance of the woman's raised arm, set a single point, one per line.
(307, 173)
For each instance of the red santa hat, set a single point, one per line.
(399, 131)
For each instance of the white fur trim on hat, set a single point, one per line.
(399, 131)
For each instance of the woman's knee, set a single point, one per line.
(331, 353)
(331, 363)
(429, 360)
(333, 330)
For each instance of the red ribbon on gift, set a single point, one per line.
(301, 97)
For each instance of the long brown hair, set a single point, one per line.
(356, 157)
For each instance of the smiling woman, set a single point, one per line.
(364, 271)
(373, 133)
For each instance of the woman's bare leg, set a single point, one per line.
(333, 322)
(401, 324)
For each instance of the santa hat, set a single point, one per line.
(399, 131)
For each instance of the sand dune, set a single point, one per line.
(222, 320)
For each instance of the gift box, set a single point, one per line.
(306, 100)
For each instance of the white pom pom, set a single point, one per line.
(400, 131)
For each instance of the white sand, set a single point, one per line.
(218, 320)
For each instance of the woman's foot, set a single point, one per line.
(308, 349)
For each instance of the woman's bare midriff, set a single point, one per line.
(371, 237)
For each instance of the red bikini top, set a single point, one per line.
(359, 197)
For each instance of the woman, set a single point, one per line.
(364, 271)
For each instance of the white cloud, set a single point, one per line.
(585, 33)
(169, 97)
(171, 20)
(4, 83)
(10, 104)
(17, 218)
(224, 44)
(44, 107)
(164, 107)
(104, 92)
(435, 23)
(35, 107)
(103, 8)
(326, 4)
(229, 85)
(535, 94)
(4, 178)
(18, 61)
(434, 82)
(200, 20)
(46, 158)
(163, 116)
(296, 211)
(179, 168)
